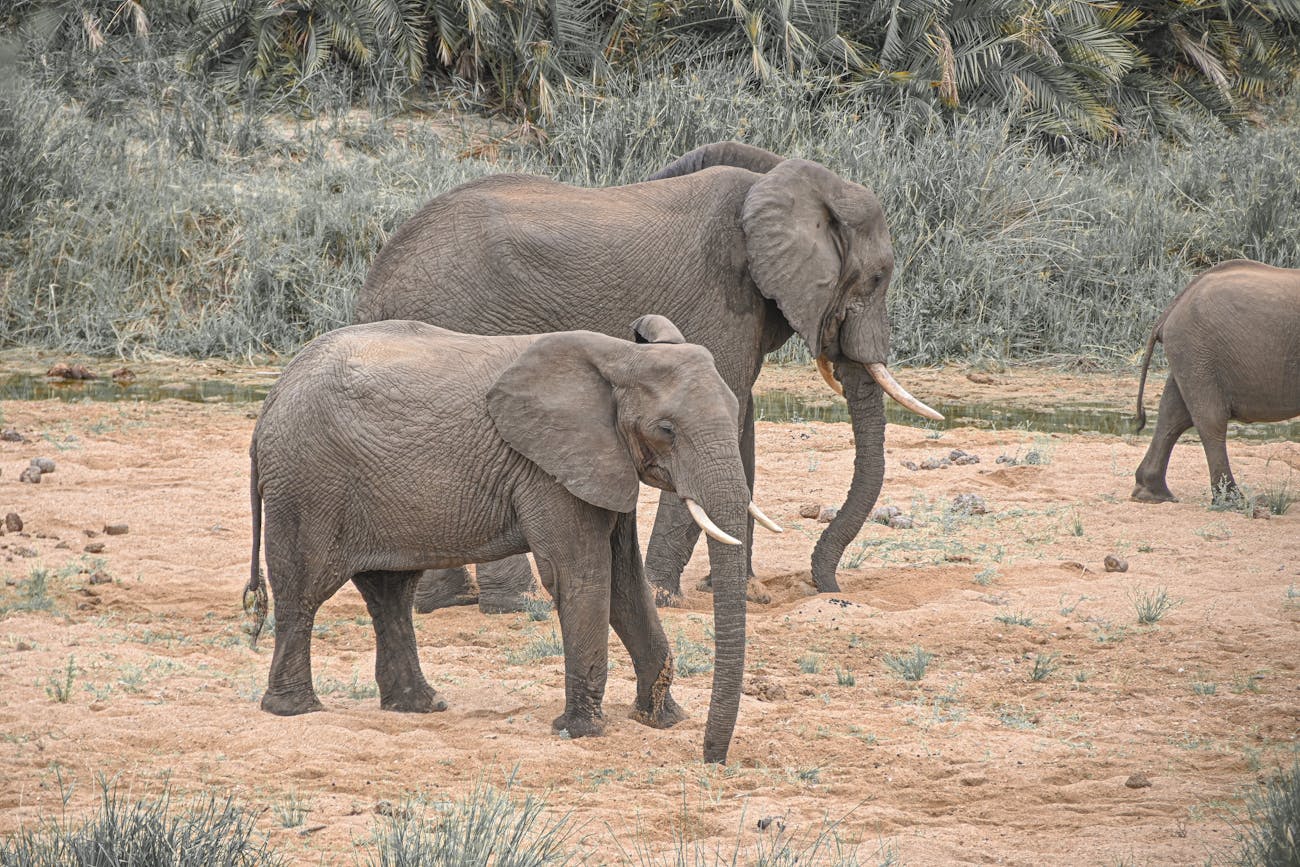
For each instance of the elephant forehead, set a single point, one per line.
(682, 373)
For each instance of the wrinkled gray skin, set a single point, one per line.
(395, 447)
(737, 246)
(1232, 337)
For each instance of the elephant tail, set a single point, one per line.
(1146, 362)
(255, 599)
(721, 153)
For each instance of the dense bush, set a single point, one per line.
(192, 227)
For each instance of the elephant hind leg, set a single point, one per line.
(503, 585)
(289, 689)
(1213, 430)
(444, 588)
(1174, 420)
(402, 687)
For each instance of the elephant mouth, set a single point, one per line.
(890, 386)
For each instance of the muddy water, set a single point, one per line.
(774, 406)
(781, 406)
(201, 391)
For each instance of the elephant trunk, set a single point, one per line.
(728, 569)
(867, 413)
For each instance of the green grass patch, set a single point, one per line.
(910, 666)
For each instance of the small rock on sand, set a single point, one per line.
(810, 510)
(827, 514)
(31, 475)
(45, 465)
(1114, 564)
(94, 548)
(1137, 781)
(13, 523)
(116, 529)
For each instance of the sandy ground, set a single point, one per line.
(975, 763)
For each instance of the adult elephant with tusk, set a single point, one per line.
(737, 246)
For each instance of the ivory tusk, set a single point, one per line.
(767, 522)
(828, 374)
(890, 386)
(706, 523)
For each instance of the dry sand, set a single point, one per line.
(975, 763)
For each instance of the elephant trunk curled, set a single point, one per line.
(867, 414)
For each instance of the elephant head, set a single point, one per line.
(818, 247)
(600, 415)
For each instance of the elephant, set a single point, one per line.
(1232, 338)
(739, 247)
(389, 448)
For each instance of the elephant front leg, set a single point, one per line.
(402, 687)
(582, 599)
(632, 614)
(1174, 418)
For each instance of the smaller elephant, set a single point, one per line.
(393, 447)
(1232, 337)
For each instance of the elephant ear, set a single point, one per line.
(797, 243)
(653, 328)
(554, 407)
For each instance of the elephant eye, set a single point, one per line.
(663, 430)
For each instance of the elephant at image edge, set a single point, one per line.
(395, 447)
(1232, 338)
(739, 247)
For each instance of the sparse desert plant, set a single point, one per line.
(59, 685)
(1204, 687)
(844, 677)
(485, 827)
(1153, 605)
(1279, 497)
(1076, 523)
(538, 609)
(1269, 834)
(855, 556)
(1017, 717)
(353, 689)
(911, 665)
(985, 577)
(211, 831)
(691, 657)
(1014, 618)
(291, 811)
(1044, 665)
(540, 648)
(33, 593)
(1067, 608)
(810, 663)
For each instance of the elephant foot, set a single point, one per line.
(503, 604)
(1143, 494)
(754, 590)
(444, 588)
(576, 726)
(665, 598)
(420, 699)
(667, 715)
(291, 702)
